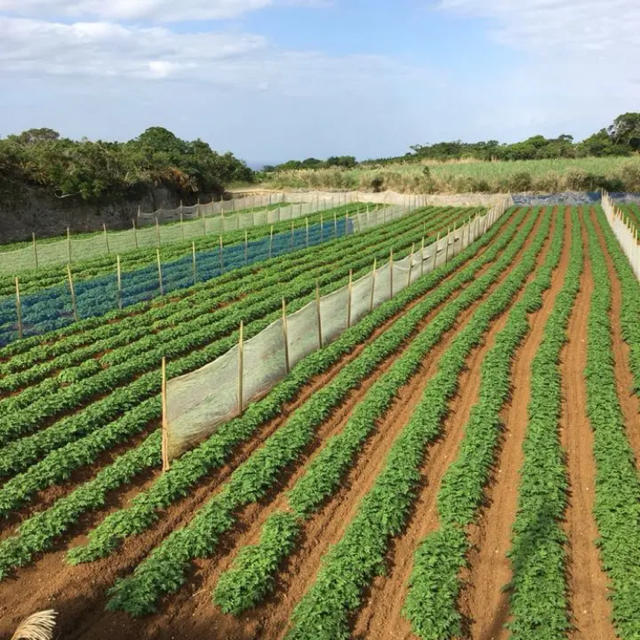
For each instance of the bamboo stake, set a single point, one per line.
(391, 273)
(165, 419)
(160, 272)
(373, 284)
(435, 251)
(119, 281)
(106, 237)
(285, 336)
(18, 308)
(319, 315)
(195, 268)
(35, 249)
(241, 368)
(411, 263)
(446, 250)
(350, 290)
(73, 293)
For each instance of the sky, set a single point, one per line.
(272, 80)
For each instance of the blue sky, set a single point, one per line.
(277, 79)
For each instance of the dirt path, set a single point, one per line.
(79, 591)
(629, 401)
(382, 615)
(483, 602)
(588, 583)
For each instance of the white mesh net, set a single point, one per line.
(333, 314)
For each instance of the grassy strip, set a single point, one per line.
(249, 579)
(539, 604)
(40, 532)
(351, 564)
(630, 310)
(165, 569)
(617, 487)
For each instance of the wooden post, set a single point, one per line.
(411, 263)
(271, 241)
(160, 272)
(241, 368)
(74, 306)
(18, 308)
(373, 284)
(195, 268)
(319, 315)
(106, 237)
(435, 251)
(68, 246)
(306, 225)
(221, 251)
(350, 289)
(119, 281)
(135, 233)
(165, 419)
(285, 336)
(390, 273)
(446, 250)
(35, 249)
(246, 248)
(157, 231)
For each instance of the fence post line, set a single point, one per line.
(246, 248)
(390, 273)
(165, 418)
(271, 242)
(68, 245)
(373, 284)
(157, 231)
(35, 249)
(285, 336)
(350, 290)
(119, 281)
(18, 308)
(318, 314)
(135, 232)
(220, 251)
(160, 272)
(106, 237)
(195, 268)
(306, 225)
(73, 293)
(241, 367)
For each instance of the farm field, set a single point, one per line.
(461, 459)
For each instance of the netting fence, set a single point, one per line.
(196, 403)
(626, 234)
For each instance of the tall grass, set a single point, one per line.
(551, 175)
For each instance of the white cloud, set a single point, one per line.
(134, 10)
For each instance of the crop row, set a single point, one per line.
(630, 290)
(539, 604)
(40, 531)
(164, 569)
(19, 454)
(617, 487)
(632, 215)
(201, 301)
(250, 578)
(34, 280)
(434, 586)
(352, 563)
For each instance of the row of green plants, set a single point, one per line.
(434, 587)
(177, 309)
(23, 412)
(538, 597)
(631, 213)
(132, 335)
(617, 486)
(164, 570)
(350, 565)
(40, 531)
(19, 454)
(251, 576)
(32, 280)
(630, 290)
